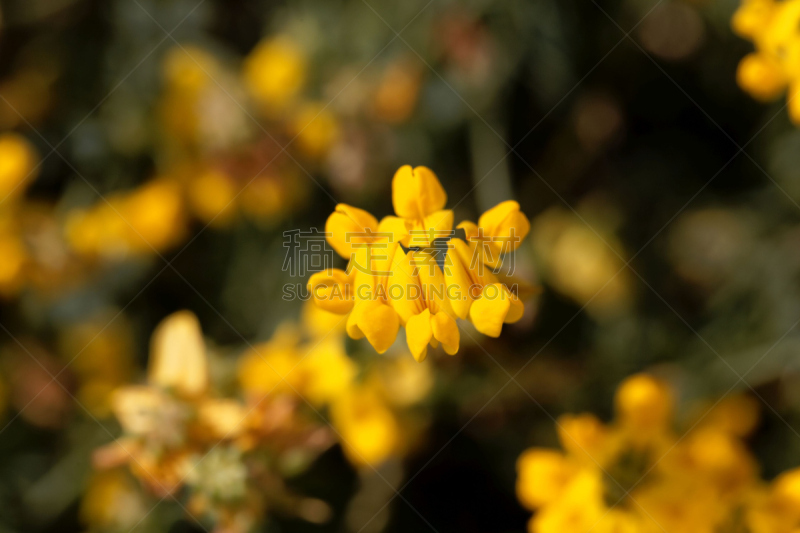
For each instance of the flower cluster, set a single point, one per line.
(231, 453)
(772, 26)
(371, 408)
(178, 433)
(637, 475)
(413, 270)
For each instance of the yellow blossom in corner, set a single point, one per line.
(774, 67)
(635, 474)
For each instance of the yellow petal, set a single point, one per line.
(137, 408)
(752, 17)
(379, 323)
(445, 330)
(516, 310)
(542, 475)
(383, 252)
(17, 165)
(348, 226)
(480, 250)
(417, 193)
(644, 402)
(438, 225)
(404, 290)
(353, 331)
(178, 355)
(327, 372)
(398, 227)
(432, 280)
(458, 282)
(270, 367)
(330, 290)
(223, 417)
(489, 311)
(360, 269)
(761, 76)
(794, 103)
(369, 429)
(506, 225)
(418, 334)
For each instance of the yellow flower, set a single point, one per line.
(178, 355)
(644, 403)
(104, 360)
(327, 372)
(761, 76)
(349, 229)
(212, 196)
(18, 165)
(773, 28)
(386, 286)
(752, 17)
(419, 199)
(618, 479)
(321, 324)
(315, 127)
(154, 215)
(582, 262)
(12, 266)
(144, 221)
(112, 500)
(405, 382)
(270, 367)
(332, 291)
(476, 291)
(505, 226)
(274, 72)
(542, 476)
(363, 291)
(397, 93)
(189, 69)
(165, 420)
(424, 309)
(368, 428)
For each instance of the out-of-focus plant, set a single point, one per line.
(638, 474)
(178, 433)
(773, 68)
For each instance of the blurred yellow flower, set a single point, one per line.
(212, 197)
(397, 92)
(12, 266)
(146, 220)
(369, 429)
(773, 28)
(274, 72)
(636, 474)
(112, 501)
(316, 128)
(269, 367)
(100, 354)
(580, 262)
(177, 433)
(18, 166)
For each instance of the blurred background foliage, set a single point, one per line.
(663, 201)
